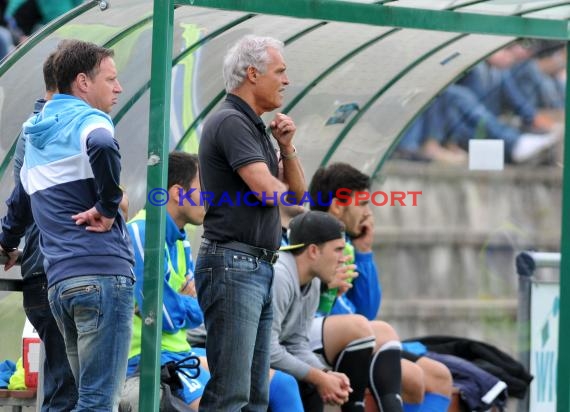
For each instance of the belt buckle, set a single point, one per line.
(270, 257)
(274, 257)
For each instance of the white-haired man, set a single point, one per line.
(234, 269)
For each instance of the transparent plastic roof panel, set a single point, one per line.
(510, 7)
(432, 4)
(553, 13)
(391, 109)
(207, 88)
(22, 83)
(21, 80)
(329, 107)
(353, 87)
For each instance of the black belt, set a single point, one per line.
(269, 256)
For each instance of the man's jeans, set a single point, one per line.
(95, 316)
(60, 393)
(465, 115)
(234, 291)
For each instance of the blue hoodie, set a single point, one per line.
(71, 164)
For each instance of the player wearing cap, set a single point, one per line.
(315, 252)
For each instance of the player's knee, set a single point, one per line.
(384, 332)
(438, 378)
(358, 327)
(413, 387)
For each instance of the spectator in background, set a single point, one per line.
(541, 79)
(6, 39)
(467, 118)
(464, 117)
(493, 84)
(427, 138)
(26, 16)
(476, 107)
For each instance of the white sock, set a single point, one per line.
(529, 145)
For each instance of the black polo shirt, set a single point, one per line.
(233, 137)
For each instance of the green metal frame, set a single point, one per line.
(332, 10)
(354, 120)
(325, 73)
(563, 369)
(159, 130)
(379, 15)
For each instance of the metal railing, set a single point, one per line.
(526, 264)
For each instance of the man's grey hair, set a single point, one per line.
(250, 50)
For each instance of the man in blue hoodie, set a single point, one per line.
(59, 391)
(71, 172)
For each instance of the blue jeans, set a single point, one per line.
(95, 317)
(6, 44)
(430, 124)
(60, 393)
(414, 136)
(465, 116)
(539, 89)
(234, 292)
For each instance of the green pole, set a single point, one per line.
(157, 167)
(563, 369)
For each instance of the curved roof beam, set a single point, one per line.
(467, 3)
(530, 9)
(395, 142)
(346, 129)
(544, 7)
(140, 92)
(333, 67)
(128, 31)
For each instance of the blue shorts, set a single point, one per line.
(193, 388)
